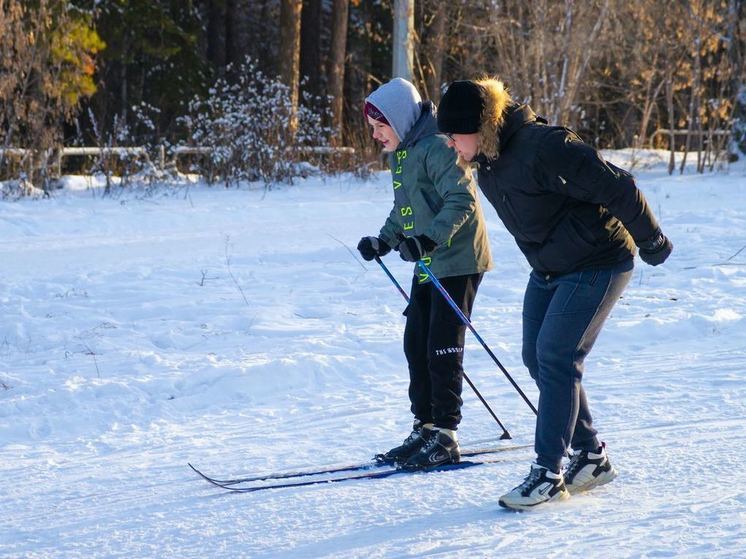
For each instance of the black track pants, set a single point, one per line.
(434, 347)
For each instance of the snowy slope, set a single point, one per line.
(234, 329)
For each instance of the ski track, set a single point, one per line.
(127, 350)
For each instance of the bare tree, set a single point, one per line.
(646, 56)
(290, 16)
(434, 36)
(403, 50)
(736, 36)
(544, 53)
(340, 14)
(310, 47)
(240, 16)
(216, 32)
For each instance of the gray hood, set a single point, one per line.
(426, 125)
(400, 103)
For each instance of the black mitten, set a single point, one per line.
(656, 249)
(370, 247)
(414, 248)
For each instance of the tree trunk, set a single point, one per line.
(433, 49)
(541, 91)
(231, 48)
(357, 73)
(337, 52)
(693, 105)
(671, 120)
(737, 147)
(123, 88)
(290, 11)
(579, 65)
(310, 47)
(240, 30)
(216, 18)
(403, 54)
(559, 94)
(647, 108)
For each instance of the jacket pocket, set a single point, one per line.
(581, 230)
(569, 244)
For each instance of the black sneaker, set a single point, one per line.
(588, 469)
(441, 448)
(420, 434)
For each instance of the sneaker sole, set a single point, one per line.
(562, 496)
(601, 479)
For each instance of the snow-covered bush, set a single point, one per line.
(128, 150)
(253, 130)
(19, 188)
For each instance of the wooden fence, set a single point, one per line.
(165, 157)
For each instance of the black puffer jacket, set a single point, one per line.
(567, 208)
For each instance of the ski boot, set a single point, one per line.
(420, 434)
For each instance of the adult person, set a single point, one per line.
(436, 217)
(577, 219)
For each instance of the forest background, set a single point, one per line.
(258, 88)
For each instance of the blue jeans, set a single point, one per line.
(562, 317)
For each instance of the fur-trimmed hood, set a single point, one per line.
(497, 100)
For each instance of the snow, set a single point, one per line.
(235, 329)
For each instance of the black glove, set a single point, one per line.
(370, 247)
(656, 249)
(414, 248)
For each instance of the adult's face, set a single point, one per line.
(466, 145)
(384, 134)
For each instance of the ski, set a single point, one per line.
(351, 477)
(372, 465)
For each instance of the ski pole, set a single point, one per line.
(392, 278)
(467, 322)
(505, 434)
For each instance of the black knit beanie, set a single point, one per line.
(460, 110)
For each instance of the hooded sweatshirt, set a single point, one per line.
(400, 103)
(432, 196)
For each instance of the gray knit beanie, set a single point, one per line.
(400, 103)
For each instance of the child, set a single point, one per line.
(436, 217)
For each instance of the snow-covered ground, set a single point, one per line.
(235, 329)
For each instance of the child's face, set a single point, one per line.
(466, 145)
(384, 134)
